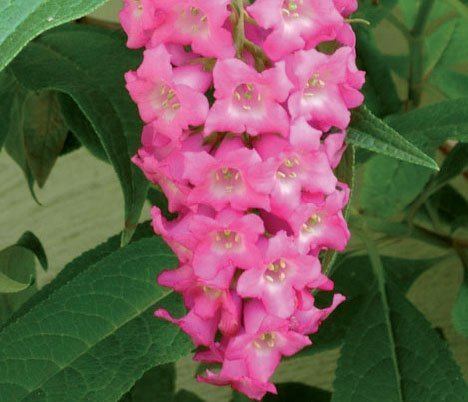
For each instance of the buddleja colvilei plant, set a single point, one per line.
(246, 108)
(249, 171)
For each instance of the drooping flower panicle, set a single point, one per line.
(245, 120)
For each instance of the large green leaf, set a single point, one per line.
(81, 127)
(379, 90)
(79, 265)
(21, 21)
(460, 309)
(102, 316)
(44, 133)
(369, 132)
(157, 384)
(353, 278)
(392, 354)
(88, 63)
(430, 126)
(389, 185)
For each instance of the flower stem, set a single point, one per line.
(238, 19)
(416, 43)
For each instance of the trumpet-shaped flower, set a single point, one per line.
(319, 225)
(297, 169)
(236, 374)
(172, 98)
(197, 23)
(283, 273)
(139, 18)
(266, 338)
(229, 239)
(295, 24)
(248, 101)
(236, 178)
(325, 87)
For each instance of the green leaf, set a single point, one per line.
(374, 11)
(7, 94)
(79, 265)
(459, 6)
(369, 132)
(156, 384)
(430, 126)
(353, 277)
(452, 84)
(379, 90)
(29, 241)
(14, 143)
(460, 309)
(186, 396)
(81, 127)
(88, 64)
(392, 354)
(102, 317)
(451, 207)
(20, 22)
(454, 164)
(389, 185)
(456, 52)
(18, 264)
(44, 133)
(157, 198)
(8, 285)
(295, 392)
(436, 44)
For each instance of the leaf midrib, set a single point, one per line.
(379, 272)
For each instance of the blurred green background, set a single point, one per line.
(82, 206)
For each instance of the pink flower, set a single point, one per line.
(334, 146)
(325, 87)
(251, 178)
(295, 24)
(265, 340)
(346, 7)
(208, 300)
(175, 233)
(139, 18)
(284, 272)
(227, 240)
(248, 101)
(172, 97)
(236, 374)
(175, 191)
(319, 225)
(236, 178)
(297, 169)
(196, 23)
(307, 318)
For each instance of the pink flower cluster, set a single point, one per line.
(244, 124)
